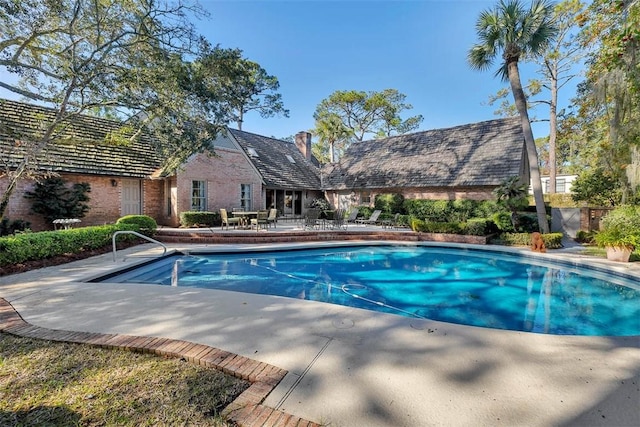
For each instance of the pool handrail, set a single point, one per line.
(142, 236)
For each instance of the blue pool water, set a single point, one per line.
(468, 287)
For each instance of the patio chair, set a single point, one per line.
(312, 219)
(372, 219)
(260, 220)
(273, 217)
(339, 221)
(226, 221)
(352, 215)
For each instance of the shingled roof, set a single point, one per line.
(478, 154)
(280, 163)
(82, 147)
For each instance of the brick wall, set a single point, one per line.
(104, 206)
(153, 200)
(223, 174)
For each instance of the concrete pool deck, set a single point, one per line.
(351, 367)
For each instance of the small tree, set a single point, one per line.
(596, 188)
(53, 199)
(512, 193)
(390, 203)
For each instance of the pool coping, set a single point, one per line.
(246, 410)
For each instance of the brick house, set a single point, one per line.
(462, 162)
(255, 172)
(247, 171)
(243, 169)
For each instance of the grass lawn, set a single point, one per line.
(63, 384)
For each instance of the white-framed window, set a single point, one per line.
(198, 196)
(561, 185)
(245, 197)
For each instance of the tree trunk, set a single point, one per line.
(6, 196)
(553, 130)
(521, 104)
(240, 119)
(14, 177)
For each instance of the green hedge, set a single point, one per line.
(145, 224)
(551, 240)
(437, 227)
(479, 227)
(200, 219)
(46, 244)
(451, 210)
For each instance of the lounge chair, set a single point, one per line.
(273, 217)
(372, 219)
(352, 215)
(260, 220)
(226, 221)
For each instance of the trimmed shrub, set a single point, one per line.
(33, 246)
(451, 211)
(502, 220)
(145, 224)
(444, 227)
(551, 240)
(437, 227)
(559, 200)
(200, 219)
(403, 221)
(462, 210)
(478, 227)
(487, 208)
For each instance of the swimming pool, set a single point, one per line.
(471, 287)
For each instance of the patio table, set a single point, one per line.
(245, 218)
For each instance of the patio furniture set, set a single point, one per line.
(247, 220)
(315, 219)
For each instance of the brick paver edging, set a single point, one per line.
(246, 410)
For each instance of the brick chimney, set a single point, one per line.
(303, 142)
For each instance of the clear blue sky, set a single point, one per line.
(316, 47)
(418, 47)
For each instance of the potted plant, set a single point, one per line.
(620, 232)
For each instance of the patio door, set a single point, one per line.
(131, 197)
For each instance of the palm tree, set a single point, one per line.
(517, 33)
(332, 131)
(512, 193)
